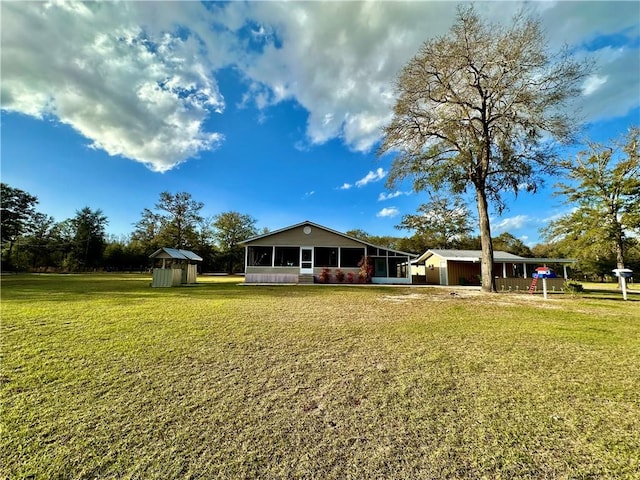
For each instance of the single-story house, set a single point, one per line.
(462, 267)
(178, 267)
(300, 253)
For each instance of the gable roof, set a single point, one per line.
(476, 256)
(176, 253)
(315, 225)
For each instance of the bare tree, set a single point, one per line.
(474, 109)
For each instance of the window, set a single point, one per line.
(379, 267)
(350, 257)
(287, 257)
(259, 256)
(326, 257)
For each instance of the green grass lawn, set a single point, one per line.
(104, 377)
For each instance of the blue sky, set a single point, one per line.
(267, 108)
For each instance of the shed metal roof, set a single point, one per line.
(176, 253)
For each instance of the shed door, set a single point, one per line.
(306, 260)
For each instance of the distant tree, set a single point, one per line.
(474, 110)
(122, 253)
(147, 233)
(173, 224)
(38, 248)
(549, 250)
(206, 243)
(604, 184)
(386, 241)
(230, 228)
(442, 222)
(508, 243)
(17, 209)
(359, 234)
(180, 219)
(470, 243)
(417, 244)
(89, 238)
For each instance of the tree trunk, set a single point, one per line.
(7, 260)
(486, 265)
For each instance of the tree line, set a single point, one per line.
(33, 241)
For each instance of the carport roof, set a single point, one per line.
(498, 256)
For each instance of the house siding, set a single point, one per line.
(296, 236)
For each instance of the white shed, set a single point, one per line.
(178, 267)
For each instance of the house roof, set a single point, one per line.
(176, 254)
(315, 225)
(498, 256)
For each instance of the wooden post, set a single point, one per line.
(544, 286)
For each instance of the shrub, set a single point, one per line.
(339, 275)
(351, 277)
(324, 276)
(573, 287)
(366, 270)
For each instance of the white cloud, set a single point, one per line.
(358, 48)
(139, 81)
(511, 223)
(388, 196)
(613, 91)
(345, 186)
(131, 91)
(339, 59)
(388, 212)
(556, 216)
(376, 176)
(346, 85)
(592, 84)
